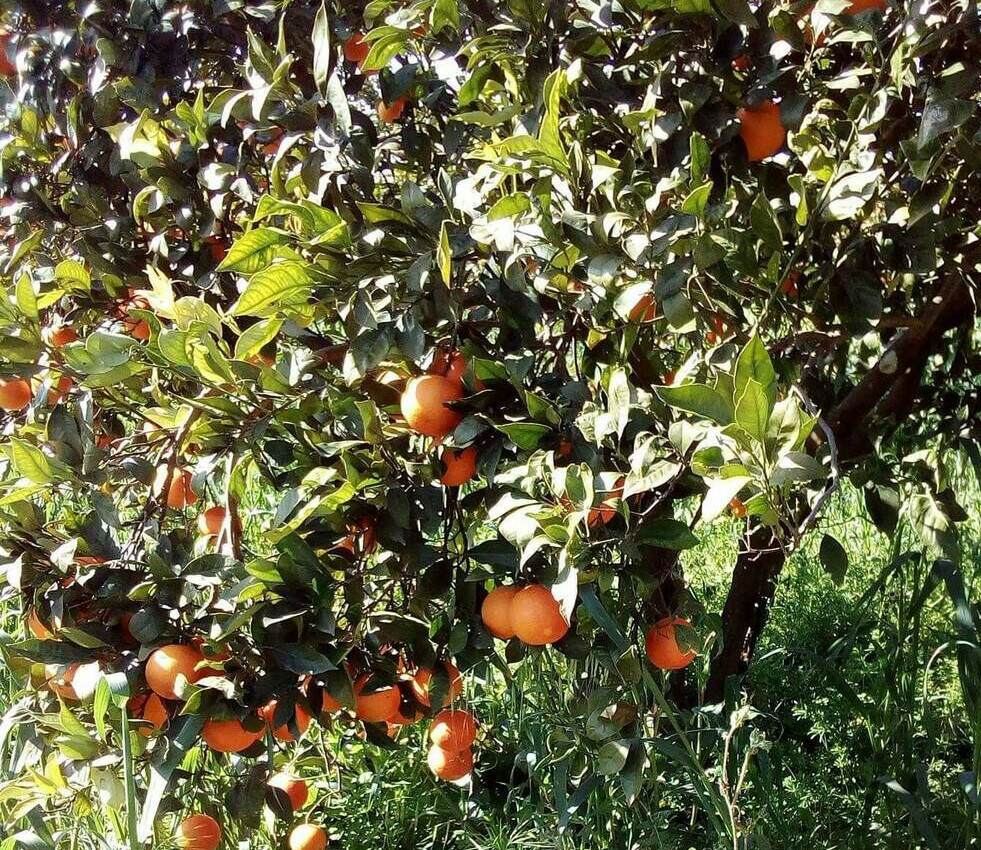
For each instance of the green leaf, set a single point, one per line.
(796, 466)
(699, 399)
(834, 558)
(753, 410)
(253, 251)
(667, 533)
(754, 364)
(697, 200)
(284, 282)
(256, 336)
(444, 256)
(321, 48)
(30, 462)
(720, 493)
(764, 222)
(26, 297)
(525, 435)
(71, 273)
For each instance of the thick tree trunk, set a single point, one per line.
(889, 389)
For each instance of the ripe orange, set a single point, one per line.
(36, 626)
(496, 611)
(662, 645)
(167, 663)
(228, 736)
(449, 764)
(211, 521)
(56, 389)
(16, 394)
(459, 466)
(535, 616)
(789, 285)
(389, 112)
(179, 494)
(356, 48)
(306, 836)
(7, 68)
(295, 789)
(858, 6)
(137, 328)
(607, 509)
(453, 730)
(738, 508)
(376, 706)
(452, 365)
(424, 405)
(60, 335)
(60, 681)
(282, 733)
(422, 679)
(150, 708)
(761, 130)
(199, 832)
(218, 248)
(644, 310)
(740, 63)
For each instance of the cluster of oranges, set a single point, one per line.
(202, 832)
(425, 407)
(451, 736)
(530, 613)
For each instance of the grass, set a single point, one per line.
(859, 736)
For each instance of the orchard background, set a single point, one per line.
(326, 322)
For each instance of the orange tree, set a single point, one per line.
(470, 294)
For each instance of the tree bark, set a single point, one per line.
(889, 388)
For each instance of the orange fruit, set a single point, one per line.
(356, 48)
(376, 706)
(7, 67)
(57, 389)
(449, 764)
(424, 407)
(453, 730)
(36, 626)
(16, 394)
(789, 285)
(535, 616)
(150, 708)
(137, 328)
(228, 736)
(60, 335)
(282, 733)
(211, 521)
(421, 680)
(761, 130)
(644, 310)
(738, 508)
(389, 112)
(606, 510)
(199, 832)
(495, 611)
(452, 365)
(167, 663)
(662, 645)
(740, 63)
(459, 466)
(60, 681)
(179, 493)
(858, 6)
(306, 836)
(401, 718)
(218, 248)
(295, 789)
